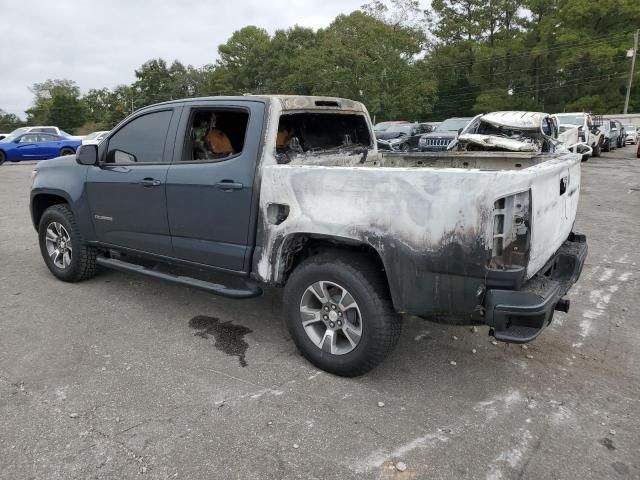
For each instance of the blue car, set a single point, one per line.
(36, 146)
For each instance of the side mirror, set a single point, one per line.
(87, 155)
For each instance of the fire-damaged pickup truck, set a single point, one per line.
(291, 191)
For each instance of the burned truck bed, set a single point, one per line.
(491, 161)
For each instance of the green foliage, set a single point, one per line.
(57, 102)
(9, 122)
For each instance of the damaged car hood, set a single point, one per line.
(497, 142)
(389, 135)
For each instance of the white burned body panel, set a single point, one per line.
(425, 222)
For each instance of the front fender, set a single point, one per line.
(64, 178)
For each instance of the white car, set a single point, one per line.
(45, 129)
(588, 133)
(94, 138)
(632, 134)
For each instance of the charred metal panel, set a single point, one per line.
(431, 223)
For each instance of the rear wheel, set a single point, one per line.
(62, 246)
(339, 313)
(66, 151)
(606, 147)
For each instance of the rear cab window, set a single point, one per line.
(215, 134)
(320, 132)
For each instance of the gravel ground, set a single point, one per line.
(123, 376)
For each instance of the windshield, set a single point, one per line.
(381, 127)
(630, 128)
(571, 119)
(399, 128)
(452, 125)
(9, 138)
(20, 130)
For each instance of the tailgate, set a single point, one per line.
(554, 195)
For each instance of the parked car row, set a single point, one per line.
(579, 132)
(42, 143)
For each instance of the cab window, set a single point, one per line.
(215, 134)
(141, 140)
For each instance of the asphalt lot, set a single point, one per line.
(122, 375)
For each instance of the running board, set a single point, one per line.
(215, 288)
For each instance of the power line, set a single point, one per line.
(525, 54)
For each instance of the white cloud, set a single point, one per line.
(100, 44)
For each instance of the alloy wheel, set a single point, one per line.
(331, 317)
(58, 243)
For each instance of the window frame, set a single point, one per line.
(165, 154)
(186, 140)
(29, 134)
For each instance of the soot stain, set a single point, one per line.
(228, 337)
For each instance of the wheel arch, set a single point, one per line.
(68, 147)
(299, 246)
(42, 200)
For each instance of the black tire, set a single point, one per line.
(380, 327)
(606, 146)
(83, 258)
(596, 151)
(67, 151)
(3, 157)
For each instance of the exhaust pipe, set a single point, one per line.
(563, 305)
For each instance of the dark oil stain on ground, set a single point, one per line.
(228, 336)
(607, 442)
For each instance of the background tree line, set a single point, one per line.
(460, 58)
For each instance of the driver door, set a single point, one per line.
(127, 191)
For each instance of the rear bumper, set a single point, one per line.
(519, 316)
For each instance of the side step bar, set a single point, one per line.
(217, 289)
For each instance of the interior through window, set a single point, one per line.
(215, 134)
(321, 132)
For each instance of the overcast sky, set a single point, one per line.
(99, 44)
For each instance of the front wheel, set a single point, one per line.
(596, 151)
(66, 151)
(339, 313)
(3, 157)
(62, 246)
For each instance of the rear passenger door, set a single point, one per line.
(210, 201)
(127, 191)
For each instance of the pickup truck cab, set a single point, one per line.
(292, 192)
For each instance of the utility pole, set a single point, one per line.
(633, 66)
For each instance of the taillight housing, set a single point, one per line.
(511, 231)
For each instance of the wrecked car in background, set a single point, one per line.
(518, 132)
(383, 126)
(610, 133)
(444, 135)
(401, 136)
(588, 132)
(291, 191)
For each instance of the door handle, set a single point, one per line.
(149, 182)
(229, 185)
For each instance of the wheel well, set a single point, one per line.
(68, 148)
(300, 247)
(40, 203)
